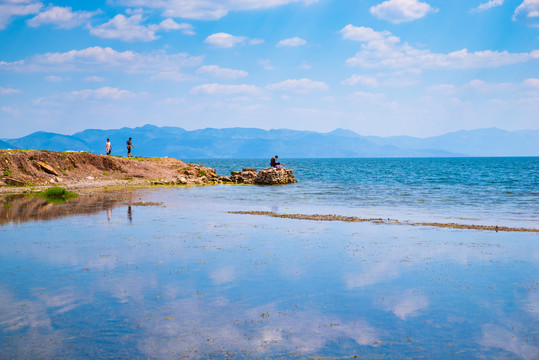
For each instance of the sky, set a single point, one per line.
(396, 67)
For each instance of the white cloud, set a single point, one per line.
(255, 41)
(98, 58)
(54, 78)
(367, 97)
(528, 8)
(11, 111)
(172, 101)
(62, 17)
(366, 34)
(398, 11)
(173, 76)
(9, 91)
(223, 89)
(305, 66)
(131, 29)
(532, 82)
(94, 78)
(11, 8)
(299, 85)
(222, 73)
(361, 79)
(382, 49)
(293, 42)
(484, 87)
(488, 5)
(266, 64)
(445, 89)
(224, 40)
(207, 9)
(104, 93)
(476, 86)
(169, 24)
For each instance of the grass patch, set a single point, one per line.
(56, 195)
(7, 172)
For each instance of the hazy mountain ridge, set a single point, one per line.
(176, 142)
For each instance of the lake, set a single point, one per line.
(168, 273)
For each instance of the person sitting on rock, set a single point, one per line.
(274, 163)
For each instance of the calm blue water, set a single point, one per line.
(104, 277)
(503, 191)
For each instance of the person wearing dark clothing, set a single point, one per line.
(274, 163)
(129, 146)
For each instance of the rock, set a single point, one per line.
(269, 176)
(181, 180)
(45, 167)
(246, 176)
(14, 181)
(273, 176)
(89, 178)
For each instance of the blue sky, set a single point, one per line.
(395, 67)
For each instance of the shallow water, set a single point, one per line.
(489, 191)
(187, 279)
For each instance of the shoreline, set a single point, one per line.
(96, 186)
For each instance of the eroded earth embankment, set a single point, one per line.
(75, 170)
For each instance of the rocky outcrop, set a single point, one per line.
(274, 176)
(269, 176)
(246, 176)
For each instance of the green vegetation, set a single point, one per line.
(201, 172)
(56, 195)
(7, 172)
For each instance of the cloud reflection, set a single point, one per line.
(495, 336)
(199, 326)
(406, 305)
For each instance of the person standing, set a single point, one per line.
(108, 147)
(129, 146)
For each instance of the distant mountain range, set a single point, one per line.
(179, 143)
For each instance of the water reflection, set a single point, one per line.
(189, 280)
(21, 208)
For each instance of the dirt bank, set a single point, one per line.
(29, 170)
